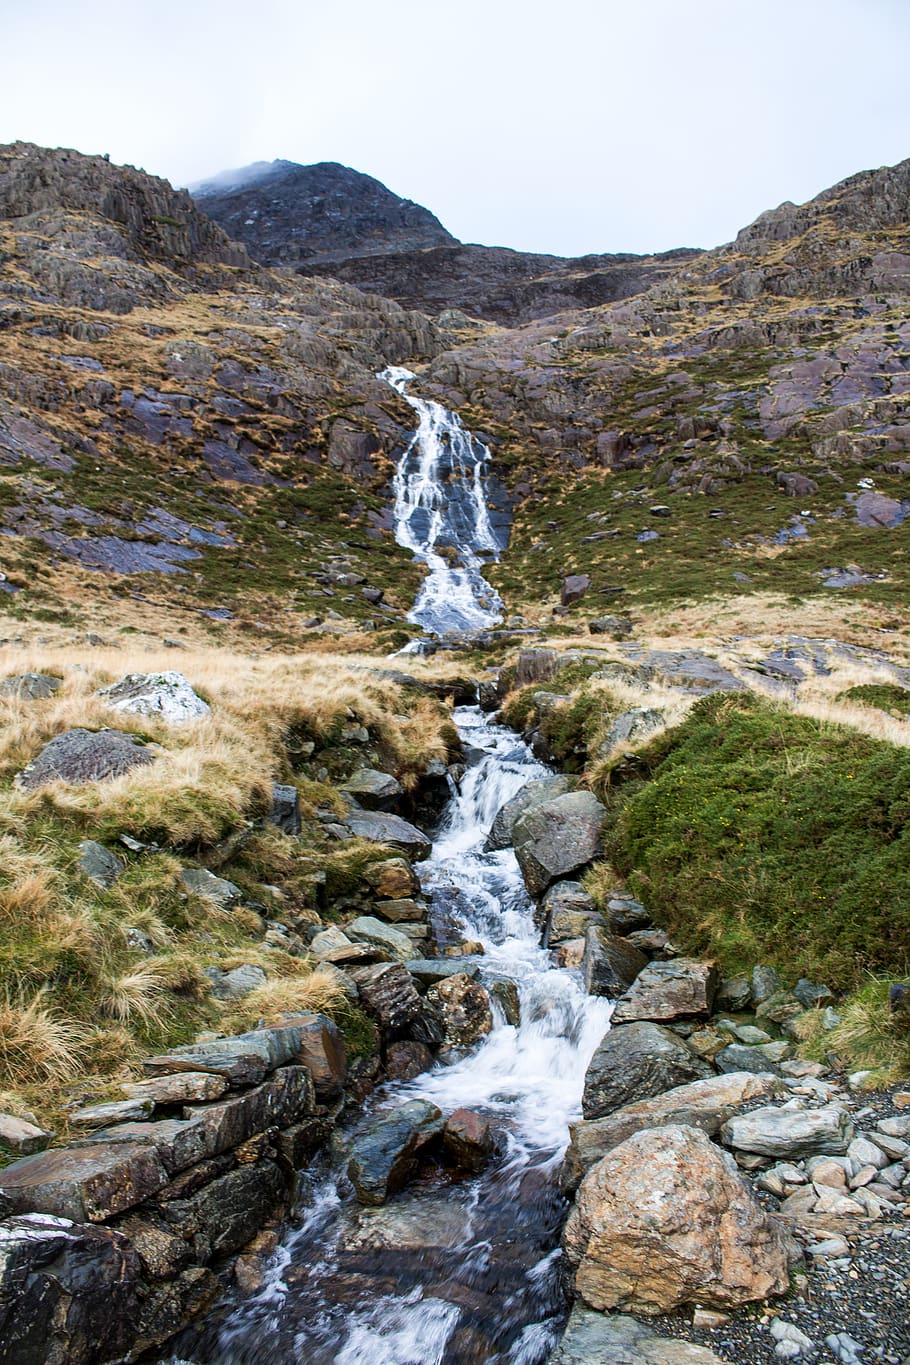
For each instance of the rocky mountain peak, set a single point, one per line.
(866, 202)
(288, 214)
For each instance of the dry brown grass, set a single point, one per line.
(37, 1043)
(316, 990)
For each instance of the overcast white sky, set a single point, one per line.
(571, 126)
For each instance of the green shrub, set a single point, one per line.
(885, 696)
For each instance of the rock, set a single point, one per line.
(285, 1099)
(392, 879)
(557, 838)
(88, 1183)
(704, 1104)
(427, 971)
(373, 931)
(790, 1133)
(187, 1087)
(566, 906)
(388, 993)
(322, 1052)
(532, 794)
(64, 1289)
(467, 1140)
(166, 695)
(505, 992)
(237, 983)
(20, 1137)
(327, 942)
(796, 485)
(285, 810)
(624, 914)
(99, 864)
(30, 686)
(635, 1062)
(665, 1219)
(200, 882)
(738, 1057)
(229, 1211)
(242, 1060)
(619, 627)
(374, 790)
(610, 964)
(80, 756)
(383, 1154)
(734, 993)
(405, 1060)
(161, 1253)
(765, 983)
(629, 728)
(465, 1009)
(669, 990)
(381, 828)
(402, 912)
(812, 996)
(601, 1339)
(574, 588)
(117, 1111)
(780, 1007)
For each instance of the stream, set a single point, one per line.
(453, 1270)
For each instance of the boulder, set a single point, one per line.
(285, 809)
(383, 1154)
(574, 588)
(368, 929)
(402, 912)
(536, 665)
(392, 879)
(614, 1339)
(787, 1134)
(740, 1057)
(465, 1009)
(374, 790)
(664, 1220)
(629, 728)
(167, 695)
(610, 964)
(64, 1289)
(200, 882)
(467, 1140)
(635, 1062)
(558, 838)
(381, 828)
(765, 983)
(79, 756)
(625, 913)
(21, 1137)
(677, 989)
(704, 1104)
(619, 627)
(242, 1060)
(426, 971)
(734, 993)
(531, 794)
(388, 993)
(30, 686)
(88, 1183)
(406, 1059)
(327, 942)
(99, 864)
(322, 1052)
(237, 983)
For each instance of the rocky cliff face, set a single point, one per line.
(288, 214)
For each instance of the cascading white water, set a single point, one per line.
(440, 503)
(462, 1272)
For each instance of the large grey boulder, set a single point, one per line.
(236, 984)
(167, 695)
(30, 686)
(704, 1104)
(610, 964)
(787, 1134)
(368, 929)
(532, 794)
(677, 989)
(285, 811)
(635, 1062)
(374, 790)
(382, 828)
(79, 756)
(383, 1154)
(558, 838)
(464, 1007)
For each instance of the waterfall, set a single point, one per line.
(441, 516)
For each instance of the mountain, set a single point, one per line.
(286, 214)
(330, 220)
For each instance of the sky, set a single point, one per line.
(567, 127)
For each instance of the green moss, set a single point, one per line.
(768, 836)
(884, 696)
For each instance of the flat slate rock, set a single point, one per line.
(374, 790)
(201, 882)
(677, 989)
(426, 971)
(87, 1184)
(382, 828)
(99, 864)
(594, 1338)
(79, 756)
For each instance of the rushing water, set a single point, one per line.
(450, 1271)
(442, 517)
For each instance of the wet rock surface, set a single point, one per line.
(635, 1062)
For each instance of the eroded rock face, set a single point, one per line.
(635, 1062)
(79, 756)
(610, 964)
(558, 838)
(665, 1219)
